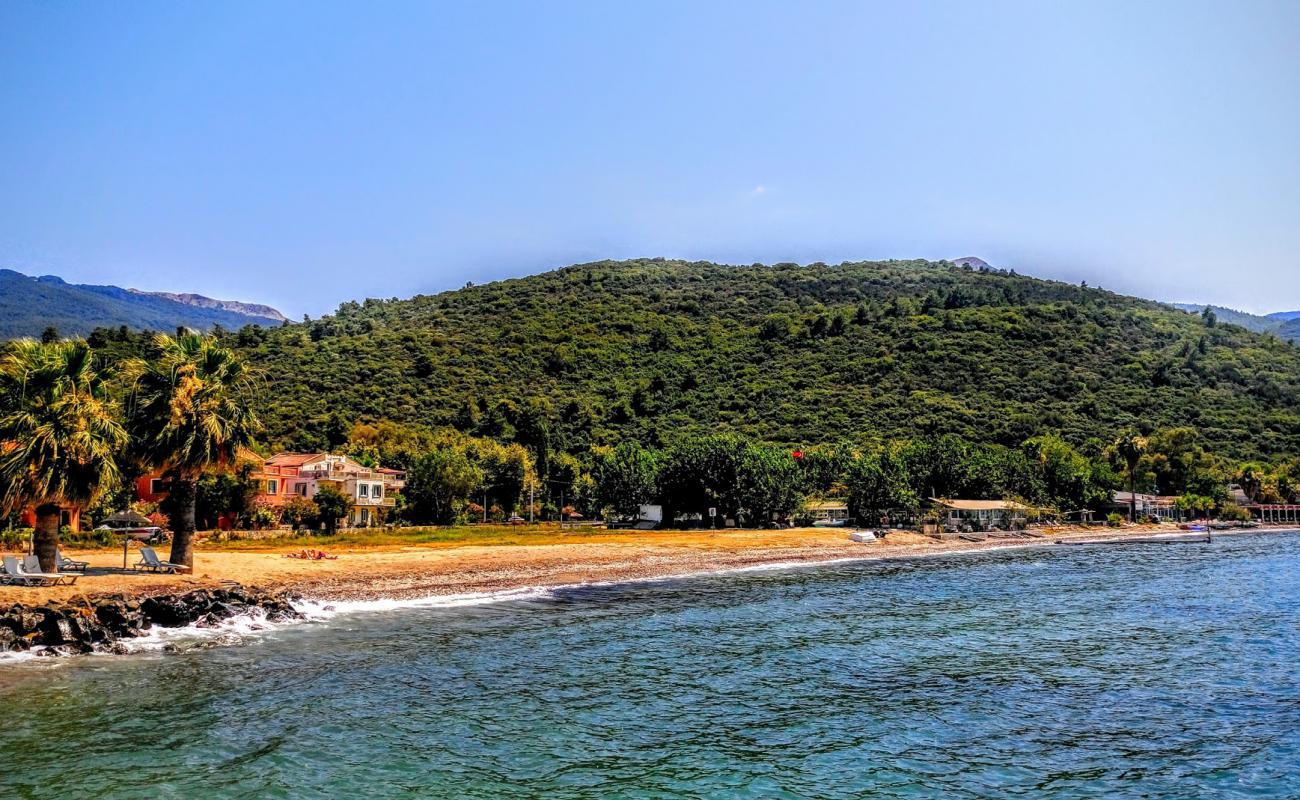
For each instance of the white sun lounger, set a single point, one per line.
(68, 565)
(32, 566)
(149, 561)
(13, 573)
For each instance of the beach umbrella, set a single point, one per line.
(129, 518)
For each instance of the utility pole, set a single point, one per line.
(531, 487)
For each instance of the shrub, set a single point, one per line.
(1114, 520)
(1232, 512)
(87, 538)
(263, 516)
(15, 538)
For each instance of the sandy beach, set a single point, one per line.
(557, 559)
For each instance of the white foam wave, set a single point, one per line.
(321, 610)
(9, 657)
(233, 630)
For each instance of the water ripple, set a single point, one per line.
(1145, 671)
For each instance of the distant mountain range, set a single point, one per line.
(29, 305)
(1284, 323)
(199, 301)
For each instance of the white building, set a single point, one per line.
(372, 491)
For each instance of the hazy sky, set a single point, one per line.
(303, 154)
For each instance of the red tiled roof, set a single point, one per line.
(291, 459)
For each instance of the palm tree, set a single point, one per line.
(59, 435)
(187, 411)
(1251, 480)
(1131, 447)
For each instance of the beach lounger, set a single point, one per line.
(68, 565)
(32, 566)
(149, 561)
(14, 573)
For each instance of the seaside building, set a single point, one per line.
(1276, 513)
(69, 517)
(152, 487)
(1162, 507)
(373, 491)
(829, 513)
(982, 514)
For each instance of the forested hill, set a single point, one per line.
(1284, 323)
(655, 349)
(28, 306)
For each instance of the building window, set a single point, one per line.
(272, 487)
(158, 486)
(363, 490)
(300, 489)
(378, 492)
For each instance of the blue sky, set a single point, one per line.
(306, 153)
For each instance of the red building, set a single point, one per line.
(152, 488)
(68, 515)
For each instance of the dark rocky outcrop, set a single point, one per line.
(100, 624)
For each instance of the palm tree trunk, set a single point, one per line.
(46, 538)
(182, 495)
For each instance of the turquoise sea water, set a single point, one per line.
(1154, 671)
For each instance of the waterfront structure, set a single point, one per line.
(1275, 513)
(829, 513)
(982, 514)
(1163, 507)
(372, 490)
(69, 517)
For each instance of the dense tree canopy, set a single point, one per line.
(608, 385)
(654, 350)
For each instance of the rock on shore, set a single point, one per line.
(100, 624)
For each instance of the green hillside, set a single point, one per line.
(653, 350)
(1283, 323)
(30, 305)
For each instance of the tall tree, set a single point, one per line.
(699, 473)
(332, 506)
(1251, 479)
(59, 435)
(188, 410)
(1130, 447)
(878, 484)
(626, 476)
(439, 485)
(768, 483)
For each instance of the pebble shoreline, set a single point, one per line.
(102, 625)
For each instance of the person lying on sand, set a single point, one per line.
(311, 555)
